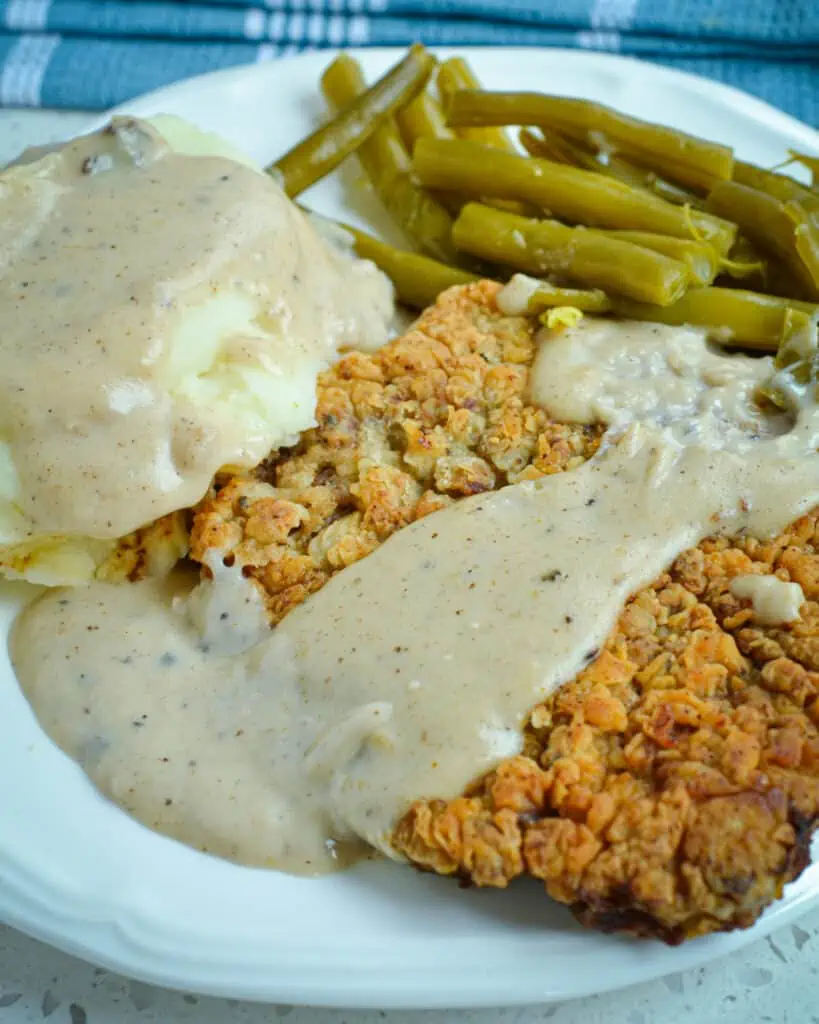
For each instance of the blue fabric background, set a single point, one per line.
(96, 53)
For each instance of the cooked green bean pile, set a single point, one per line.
(612, 215)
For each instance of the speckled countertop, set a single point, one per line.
(775, 980)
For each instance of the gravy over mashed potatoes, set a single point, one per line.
(164, 312)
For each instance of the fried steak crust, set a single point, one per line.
(672, 788)
(669, 790)
(435, 415)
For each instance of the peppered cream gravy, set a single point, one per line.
(773, 601)
(411, 672)
(161, 315)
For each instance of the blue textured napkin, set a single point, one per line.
(96, 53)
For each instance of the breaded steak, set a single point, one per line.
(672, 788)
(432, 417)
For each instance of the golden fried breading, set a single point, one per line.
(151, 551)
(671, 789)
(435, 415)
(57, 560)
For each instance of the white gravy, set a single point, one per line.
(515, 296)
(120, 257)
(773, 601)
(411, 672)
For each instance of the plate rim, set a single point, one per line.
(741, 100)
(111, 937)
(359, 991)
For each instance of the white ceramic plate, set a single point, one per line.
(80, 874)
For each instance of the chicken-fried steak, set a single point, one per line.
(672, 788)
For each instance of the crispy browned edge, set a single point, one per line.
(672, 788)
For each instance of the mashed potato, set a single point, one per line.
(164, 312)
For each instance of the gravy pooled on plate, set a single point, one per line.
(411, 672)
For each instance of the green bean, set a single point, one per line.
(422, 118)
(811, 162)
(630, 172)
(553, 146)
(579, 196)
(685, 158)
(798, 348)
(780, 186)
(455, 74)
(580, 254)
(320, 153)
(735, 318)
(806, 242)
(387, 165)
(702, 261)
(744, 261)
(780, 280)
(783, 229)
(418, 280)
(805, 307)
(797, 360)
(524, 294)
